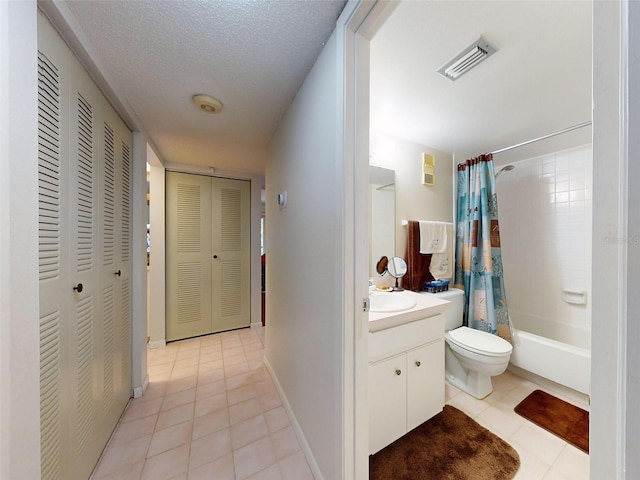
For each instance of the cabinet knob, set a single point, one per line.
(418, 363)
(398, 371)
(78, 288)
(118, 273)
(215, 256)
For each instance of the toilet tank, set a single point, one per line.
(453, 315)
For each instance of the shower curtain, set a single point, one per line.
(478, 258)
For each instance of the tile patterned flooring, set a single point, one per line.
(211, 411)
(543, 456)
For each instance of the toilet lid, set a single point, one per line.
(479, 342)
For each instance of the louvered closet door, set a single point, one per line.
(188, 224)
(84, 305)
(231, 245)
(55, 294)
(116, 263)
(208, 255)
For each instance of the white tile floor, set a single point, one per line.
(211, 411)
(543, 456)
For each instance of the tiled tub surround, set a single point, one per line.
(545, 227)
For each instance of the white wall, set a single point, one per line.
(304, 321)
(545, 228)
(157, 286)
(632, 301)
(415, 201)
(139, 314)
(606, 412)
(614, 422)
(19, 316)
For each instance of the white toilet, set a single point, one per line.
(472, 357)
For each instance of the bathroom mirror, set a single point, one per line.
(397, 268)
(382, 200)
(381, 266)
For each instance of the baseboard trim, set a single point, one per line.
(157, 344)
(139, 391)
(256, 325)
(306, 449)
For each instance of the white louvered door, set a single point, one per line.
(188, 266)
(53, 196)
(231, 245)
(208, 255)
(84, 191)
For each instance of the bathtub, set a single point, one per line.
(566, 364)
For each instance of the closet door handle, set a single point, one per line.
(215, 256)
(418, 363)
(78, 288)
(398, 371)
(118, 273)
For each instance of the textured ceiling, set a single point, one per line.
(252, 55)
(538, 82)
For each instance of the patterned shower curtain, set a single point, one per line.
(478, 258)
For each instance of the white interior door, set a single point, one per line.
(208, 253)
(231, 254)
(84, 190)
(189, 256)
(53, 196)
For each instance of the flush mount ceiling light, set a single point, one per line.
(207, 103)
(467, 59)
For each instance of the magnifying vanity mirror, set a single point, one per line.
(397, 268)
(381, 266)
(382, 197)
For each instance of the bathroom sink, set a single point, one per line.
(390, 302)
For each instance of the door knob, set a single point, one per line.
(78, 288)
(118, 273)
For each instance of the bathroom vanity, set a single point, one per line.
(406, 364)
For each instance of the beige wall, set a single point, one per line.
(415, 201)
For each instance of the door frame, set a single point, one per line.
(357, 24)
(157, 284)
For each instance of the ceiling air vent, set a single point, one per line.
(466, 60)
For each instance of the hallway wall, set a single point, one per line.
(19, 315)
(303, 341)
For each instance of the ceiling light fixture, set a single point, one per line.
(467, 59)
(207, 103)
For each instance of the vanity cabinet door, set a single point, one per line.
(387, 401)
(425, 383)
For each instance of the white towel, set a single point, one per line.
(441, 266)
(436, 238)
(433, 237)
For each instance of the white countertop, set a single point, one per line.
(426, 306)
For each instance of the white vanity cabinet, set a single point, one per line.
(406, 379)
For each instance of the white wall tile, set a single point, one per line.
(545, 225)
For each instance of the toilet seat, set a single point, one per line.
(479, 342)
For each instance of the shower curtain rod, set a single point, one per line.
(575, 127)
